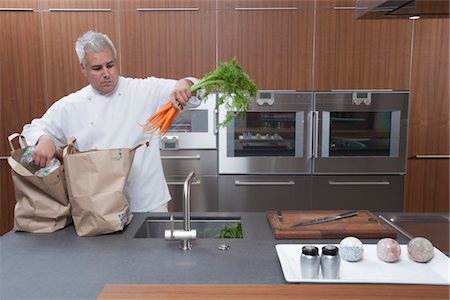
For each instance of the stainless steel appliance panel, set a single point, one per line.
(274, 136)
(261, 193)
(360, 132)
(203, 193)
(193, 128)
(182, 162)
(364, 192)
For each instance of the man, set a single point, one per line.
(107, 114)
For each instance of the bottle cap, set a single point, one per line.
(310, 250)
(330, 250)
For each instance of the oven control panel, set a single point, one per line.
(169, 142)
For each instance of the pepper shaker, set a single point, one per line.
(330, 262)
(309, 262)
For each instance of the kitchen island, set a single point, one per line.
(62, 265)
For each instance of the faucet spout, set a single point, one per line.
(186, 235)
(186, 243)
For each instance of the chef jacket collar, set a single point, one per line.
(112, 93)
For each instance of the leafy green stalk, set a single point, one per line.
(230, 232)
(234, 85)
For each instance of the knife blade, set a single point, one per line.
(348, 214)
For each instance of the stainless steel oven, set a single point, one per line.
(316, 150)
(193, 128)
(360, 132)
(274, 136)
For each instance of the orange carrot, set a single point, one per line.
(161, 120)
(168, 120)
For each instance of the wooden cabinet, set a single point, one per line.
(359, 54)
(63, 23)
(169, 39)
(22, 77)
(7, 199)
(427, 180)
(22, 85)
(272, 40)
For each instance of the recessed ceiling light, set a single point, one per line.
(414, 17)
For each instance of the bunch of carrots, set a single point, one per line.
(229, 79)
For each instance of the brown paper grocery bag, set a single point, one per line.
(95, 181)
(42, 204)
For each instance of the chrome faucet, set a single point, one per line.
(188, 234)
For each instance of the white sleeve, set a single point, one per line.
(49, 123)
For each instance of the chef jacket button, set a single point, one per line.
(89, 98)
(120, 94)
(92, 123)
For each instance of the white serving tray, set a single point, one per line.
(370, 269)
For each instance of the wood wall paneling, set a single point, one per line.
(61, 29)
(169, 39)
(7, 198)
(427, 180)
(359, 54)
(22, 77)
(427, 186)
(22, 87)
(430, 97)
(274, 46)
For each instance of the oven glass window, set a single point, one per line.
(263, 134)
(360, 133)
(191, 121)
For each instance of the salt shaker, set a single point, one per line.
(330, 262)
(309, 262)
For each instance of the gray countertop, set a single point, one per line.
(62, 265)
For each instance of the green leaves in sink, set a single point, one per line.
(230, 232)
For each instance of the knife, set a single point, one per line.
(351, 213)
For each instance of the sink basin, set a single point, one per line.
(207, 227)
(431, 226)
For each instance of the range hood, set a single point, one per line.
(383, 9)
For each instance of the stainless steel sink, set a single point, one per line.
(207, 227)
(434, 227)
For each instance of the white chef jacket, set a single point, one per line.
(114, 121)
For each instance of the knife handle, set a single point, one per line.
(347, 214)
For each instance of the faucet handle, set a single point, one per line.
(168, 234)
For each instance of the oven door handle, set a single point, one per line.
(379, 182)
(315, 145)
(259, 183)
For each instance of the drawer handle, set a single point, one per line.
(382, 182)
(264, 8)
(169, 9)
(4, 157)
(79, 9)
(181, 157)
(182, 182)
(432, 156)
(348, 8)
(15, 9)
(271, 183)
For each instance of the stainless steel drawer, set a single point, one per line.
(261, 193)
(182, 162)
(376, 193)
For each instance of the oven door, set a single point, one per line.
(272, 137)
(360, 132)
(193, 128)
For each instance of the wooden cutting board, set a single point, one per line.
(364, 225)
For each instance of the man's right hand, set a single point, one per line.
(44, 151)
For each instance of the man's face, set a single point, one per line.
(101, 71)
